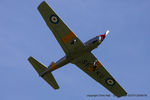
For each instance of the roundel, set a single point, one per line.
(110, 81)
(54, 19)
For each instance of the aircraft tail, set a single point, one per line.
(48, 77)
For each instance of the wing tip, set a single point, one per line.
(30, 58)
(41, 4)
(56, 88)
(122, 95)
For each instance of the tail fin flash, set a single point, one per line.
(48, 77)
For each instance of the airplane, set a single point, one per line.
(77, 53)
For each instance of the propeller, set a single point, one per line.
(102, 36)
(106, 33)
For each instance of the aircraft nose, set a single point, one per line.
(102, 37)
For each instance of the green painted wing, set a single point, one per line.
(66, 38)
(99, 73)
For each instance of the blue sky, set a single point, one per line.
(124, 53)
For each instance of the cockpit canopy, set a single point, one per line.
(92, 41)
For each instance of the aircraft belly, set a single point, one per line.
(77, 53)
(63, 61)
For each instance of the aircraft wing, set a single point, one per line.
(99, 73)
(66, 38)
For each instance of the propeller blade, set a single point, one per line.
(106, 33)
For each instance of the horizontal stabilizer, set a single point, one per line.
(48, 77)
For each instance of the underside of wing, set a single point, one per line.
(90, 65)
(66, 38)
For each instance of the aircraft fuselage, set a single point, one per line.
(89, 46)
